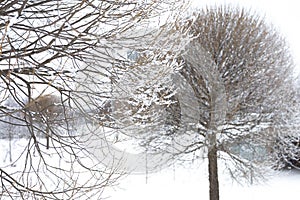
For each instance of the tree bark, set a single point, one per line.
(47, 137)
(213, 173)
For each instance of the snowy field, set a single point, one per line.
(189, 182)
(192, 185)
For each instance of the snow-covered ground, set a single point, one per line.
(192, 184)
(185, 182)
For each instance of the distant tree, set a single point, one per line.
(47, 111)
(57, 64)
(237, 79)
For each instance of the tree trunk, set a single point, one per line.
(213, 173)
(47, 137)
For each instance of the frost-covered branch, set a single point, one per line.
(59, 61)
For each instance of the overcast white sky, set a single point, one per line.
(283, 14)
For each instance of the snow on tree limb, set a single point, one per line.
(62, 48)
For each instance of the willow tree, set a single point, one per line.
(56, 66)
